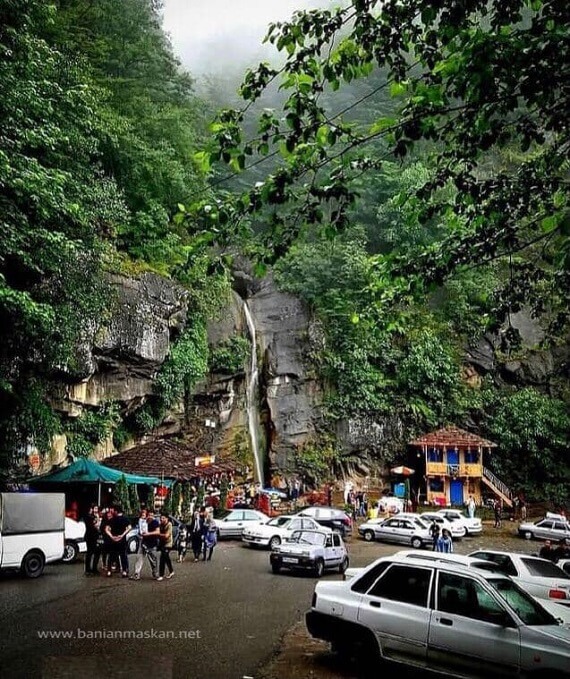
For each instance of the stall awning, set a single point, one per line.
(89, 471)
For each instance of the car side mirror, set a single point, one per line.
(501, 618)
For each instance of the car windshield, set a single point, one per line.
(279, 521)
(544, 569)
(305, 537)
(527, 608)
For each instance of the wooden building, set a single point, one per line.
(455, 467)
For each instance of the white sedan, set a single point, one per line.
(233, 523)
(537, 576)
(456, 528)
(276, 531)
(468, 525)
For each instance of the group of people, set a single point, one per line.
(106, 539)
(555, 554)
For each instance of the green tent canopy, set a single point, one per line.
(89, 471)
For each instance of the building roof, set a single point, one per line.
(453, 437)
(168, 459)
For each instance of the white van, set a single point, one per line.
(31, 531)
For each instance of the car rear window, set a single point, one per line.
(544, 569)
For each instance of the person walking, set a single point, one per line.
(197, 533)
(444, 542)
(150, 536)
(523, 510)
(210, 537)
(166, 543)
(93, 540)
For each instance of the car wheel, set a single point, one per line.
(465, 533)
(527, 535)
(70, 552)
(368, 535)
(343, 565)
(133, 546)
(319, 568)
(276, 568)
(274, 542)
(33, 564)
(417, 543)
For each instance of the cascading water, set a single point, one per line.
(252, 396)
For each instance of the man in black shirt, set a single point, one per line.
(117, 530)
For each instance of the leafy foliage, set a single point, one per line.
(532, 431)
(229, 356)
(475, 83)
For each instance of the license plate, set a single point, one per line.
(289, 559)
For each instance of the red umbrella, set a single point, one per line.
(404, 471)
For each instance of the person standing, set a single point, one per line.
(445, 543)
(143, 529)
(434, 532)
(117, 529)
(523, 510)
(166, 544)
(107, 551)
(93, 540)
(197, 533)
(471, 507)
(546, 551)
(498, 514)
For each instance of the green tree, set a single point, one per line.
(480, 89)
(121, 495)
(532, 431)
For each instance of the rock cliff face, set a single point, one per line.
(121, 358)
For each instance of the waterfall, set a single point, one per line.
(252, 396)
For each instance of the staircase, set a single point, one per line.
(497, 486)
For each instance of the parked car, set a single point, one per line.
(274, 532)
(539, 577)
(231, 524)
(74, 540)
(406, 531)
(314, 550)
(545, 529)
(337, 519)
(134, 539)
(470, 526)
(561, 613)
(440, 616)
(456, 528)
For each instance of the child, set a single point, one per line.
(182, 543)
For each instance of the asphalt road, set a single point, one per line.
(220, 620)
(227, 616)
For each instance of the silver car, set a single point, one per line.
(439, 616)
(405, 531)
(545, 529)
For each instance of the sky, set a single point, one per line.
(211, 36)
